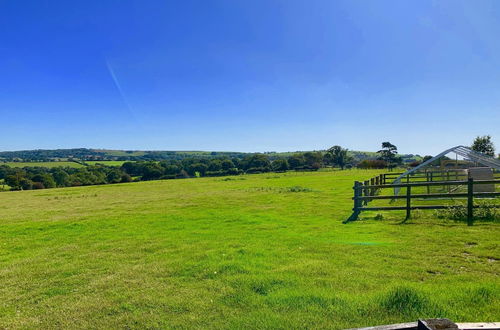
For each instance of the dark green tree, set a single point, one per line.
(46, 179)
(172, 170)
(338, 156)
(484, 144)
(313, 160)
(152, 171)
(226, 164)
(296, 161)
(389, 154)
(27, 184)
(199, 168)
(60, 177)
(257, 161)
(114, 175)
(14, 180)
(280, 165)
(215, 165)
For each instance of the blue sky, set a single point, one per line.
(248, 75)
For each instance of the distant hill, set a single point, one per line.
(84, 154)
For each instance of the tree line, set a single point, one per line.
(28, 178)
(40, 177)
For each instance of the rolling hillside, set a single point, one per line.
(123, 155)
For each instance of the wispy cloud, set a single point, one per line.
(120, 90)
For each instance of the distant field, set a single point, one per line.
(62, 164)
(121, 153)
(41, 164)
(106, 162)
(254, 251)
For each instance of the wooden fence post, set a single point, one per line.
(448, 179)
(358, 192)
(372, 190)
(366, 191)
(470, 201)
(408, 202)
(427, 178)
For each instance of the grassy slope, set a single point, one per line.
(234, 253)
(121, 153)
(42, 164)
(106, 162)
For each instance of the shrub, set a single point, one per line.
(256, 170)
(26, 184)
(182, 175)
(297, 189)
(126, 178)
(306, 168)
(485, 211)
(215, 173)
(372, 163)
(38, 185)
(234, 171)
(414, 163)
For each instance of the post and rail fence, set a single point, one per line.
(367, 191)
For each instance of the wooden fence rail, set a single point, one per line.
(433, 175)
(366, 191)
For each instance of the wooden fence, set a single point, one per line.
(367, 191)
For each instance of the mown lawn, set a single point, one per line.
(255, 251)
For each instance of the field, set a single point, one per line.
(120, 153)
(254, 251)
(62, 163)
(106, 162)
(41, 164)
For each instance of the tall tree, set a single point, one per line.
(226, 164)
(484, 144)
(260, 161)
(389, 154)
(313, 159)
(280, 165)
(296, 161)
(338, 156)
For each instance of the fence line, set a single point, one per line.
(366, 191)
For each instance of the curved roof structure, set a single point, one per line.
(465, 152)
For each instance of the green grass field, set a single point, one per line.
(62, 163)
(41, 164)
(120, 153)
(106, 162)
(254, 251)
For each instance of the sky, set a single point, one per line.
(237, 75)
